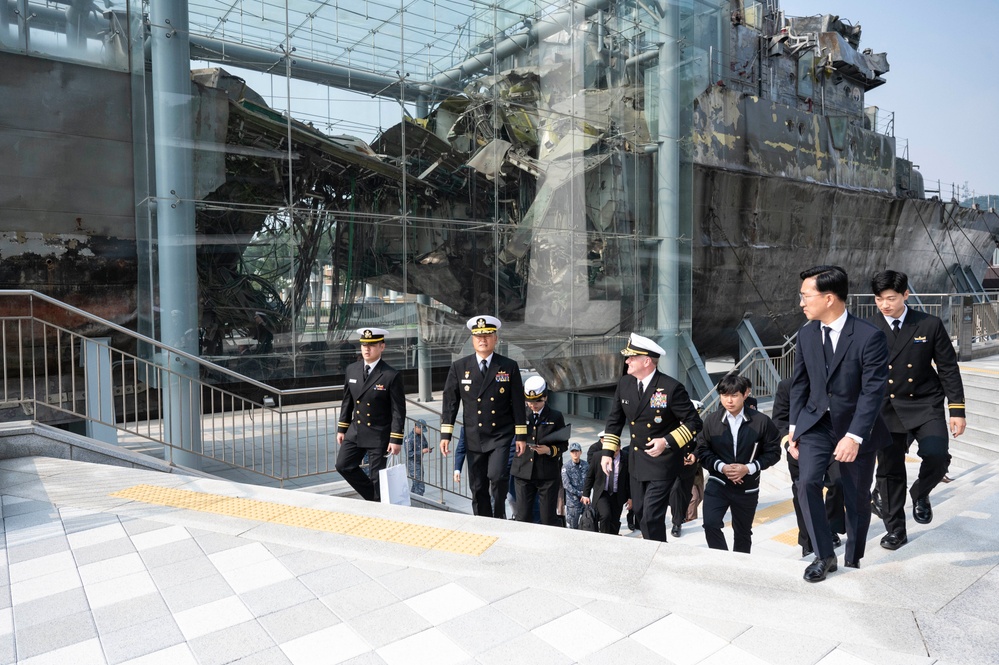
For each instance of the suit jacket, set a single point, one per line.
(494, 411)
(916, 392)
(663, 410)
(758, 441)
(531, 465)
(373, 412)
(852, 390)
(596, 479)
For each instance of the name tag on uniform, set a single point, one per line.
(658, 399)
(379, 386)
(502, 377)
(466, 381)
(352, 381)
(919, 340)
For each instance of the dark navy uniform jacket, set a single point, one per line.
(915, 391)
(494, 411)
(663, 410)
(373, 412)
(533, 466)
(758, 441)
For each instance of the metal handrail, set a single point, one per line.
(49, 374)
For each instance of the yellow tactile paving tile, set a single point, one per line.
(373, 528)
(773, 512)
(789, 537)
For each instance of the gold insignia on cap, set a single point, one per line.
(367, 333)
(480, 323)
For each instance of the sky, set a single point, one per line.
(943, 84)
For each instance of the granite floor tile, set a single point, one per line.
(141, 639)
(256, 575)
(101, 551)
(577, 634)
(182, 572)
(293, 622)
(271, 656)
(624, 618)
(140, 610)
(783, 647)
(327, 581)
(481, 630)
(231, 644)
(44, 585)
(55, 634)
(43, 565)
(117, 589)
(179, 654)
(533, 607)
(444, 603)
(110, 569)
(413, 581)
(7, 621)
(388, 624)
(732, 654)
(212, 617)
(301, 562)
(184, 596)
(625, 652)
(165, 535)
(81, 653)
(167, 554)
(678, 640)
(51, 607)
(276, 597)
(33, 548)
(8, 652)
(331, 645)
(359, 599)
(429, 647)
(88, 534)
(840, 657)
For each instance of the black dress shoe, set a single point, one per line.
(675, 531)
(894, 540)
(921, 510)
(817, 570)
(851, 564)
(876, 505)
(836, 540)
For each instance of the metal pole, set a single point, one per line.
(173, 122)
(668, 188)
(423, 359)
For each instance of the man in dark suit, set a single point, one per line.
(840, 376)
(736, 444)
(610, 494)
(662, 421)
(537, 467)
(834, 491)
(372, 415)
(914, 404)
(490, 391)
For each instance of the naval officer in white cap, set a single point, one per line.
(490, 391)
(372, 415)
(663, 423)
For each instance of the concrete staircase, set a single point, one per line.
(980, 442)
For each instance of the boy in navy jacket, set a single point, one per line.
(735, 445)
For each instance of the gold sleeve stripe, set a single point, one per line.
(956, 406)
(682, 435)
(395, 435)
(342, 424)
(447, 429)
(612, 442)
(520, 429)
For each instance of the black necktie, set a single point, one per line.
(896, 326)
(367, 370)
(827, 347)
(483, 366)
(641, 388)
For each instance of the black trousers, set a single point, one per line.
(718, 499)
(609, 505)
(679, 497)
(815, 452)
(348, 465)
(546, 491)
(489, 481)
(933, 441)
(649, 500)
(834, 501)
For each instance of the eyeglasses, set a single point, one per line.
(806, 296)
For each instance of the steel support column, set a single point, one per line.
(173, 128)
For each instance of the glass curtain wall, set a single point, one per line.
(409, 164)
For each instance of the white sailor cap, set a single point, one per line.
(484, 324)
(535, 388)
(642, 346)
(371, 335)
(601, 435)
